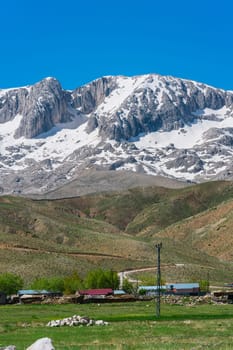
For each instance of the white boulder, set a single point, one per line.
(42, 344)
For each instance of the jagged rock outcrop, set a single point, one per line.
(185, 160)
(12, 103)
(88, 97)
(45, 105)
(166, 108)
(41, 105)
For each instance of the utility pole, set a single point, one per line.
(208, 281)
(158, 247)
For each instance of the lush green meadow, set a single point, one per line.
(131, 326)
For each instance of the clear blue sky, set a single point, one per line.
(77, 41)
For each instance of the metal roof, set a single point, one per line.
(33, 292)
(182, 285)
(176, 286)
(119, 292)
(103, 291)
(148, 288)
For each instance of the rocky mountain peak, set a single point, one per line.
(151, 124)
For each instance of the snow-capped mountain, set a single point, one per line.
(152, 124)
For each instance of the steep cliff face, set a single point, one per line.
(41, 105)
(45, 105)
(87, 98)
(12, 102)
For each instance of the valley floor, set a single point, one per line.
(131, 326)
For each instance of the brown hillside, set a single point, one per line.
(209, 232)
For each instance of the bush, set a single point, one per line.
(142, 292)
(10, 283)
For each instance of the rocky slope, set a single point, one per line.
(149, 124)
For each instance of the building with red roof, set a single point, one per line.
(101, 293)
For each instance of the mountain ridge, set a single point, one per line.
(148, 124)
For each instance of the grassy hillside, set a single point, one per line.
(137, 209)
(48, 238)
(119, 230)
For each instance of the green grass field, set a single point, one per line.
(132, 326)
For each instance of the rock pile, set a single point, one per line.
(76, 320)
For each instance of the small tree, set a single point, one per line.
(112, 279)
(10, 283)
(204, 285)
(53, 284)
(128, 287)
(72, 283)
(40, 283)
(56, 284)
(102, 279)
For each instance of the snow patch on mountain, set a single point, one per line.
(189, 135)
(56, 144)
(125, 87)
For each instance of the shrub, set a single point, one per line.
(10, 283)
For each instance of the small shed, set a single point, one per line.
(183, 288)
(2, 298)
(31, 295)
